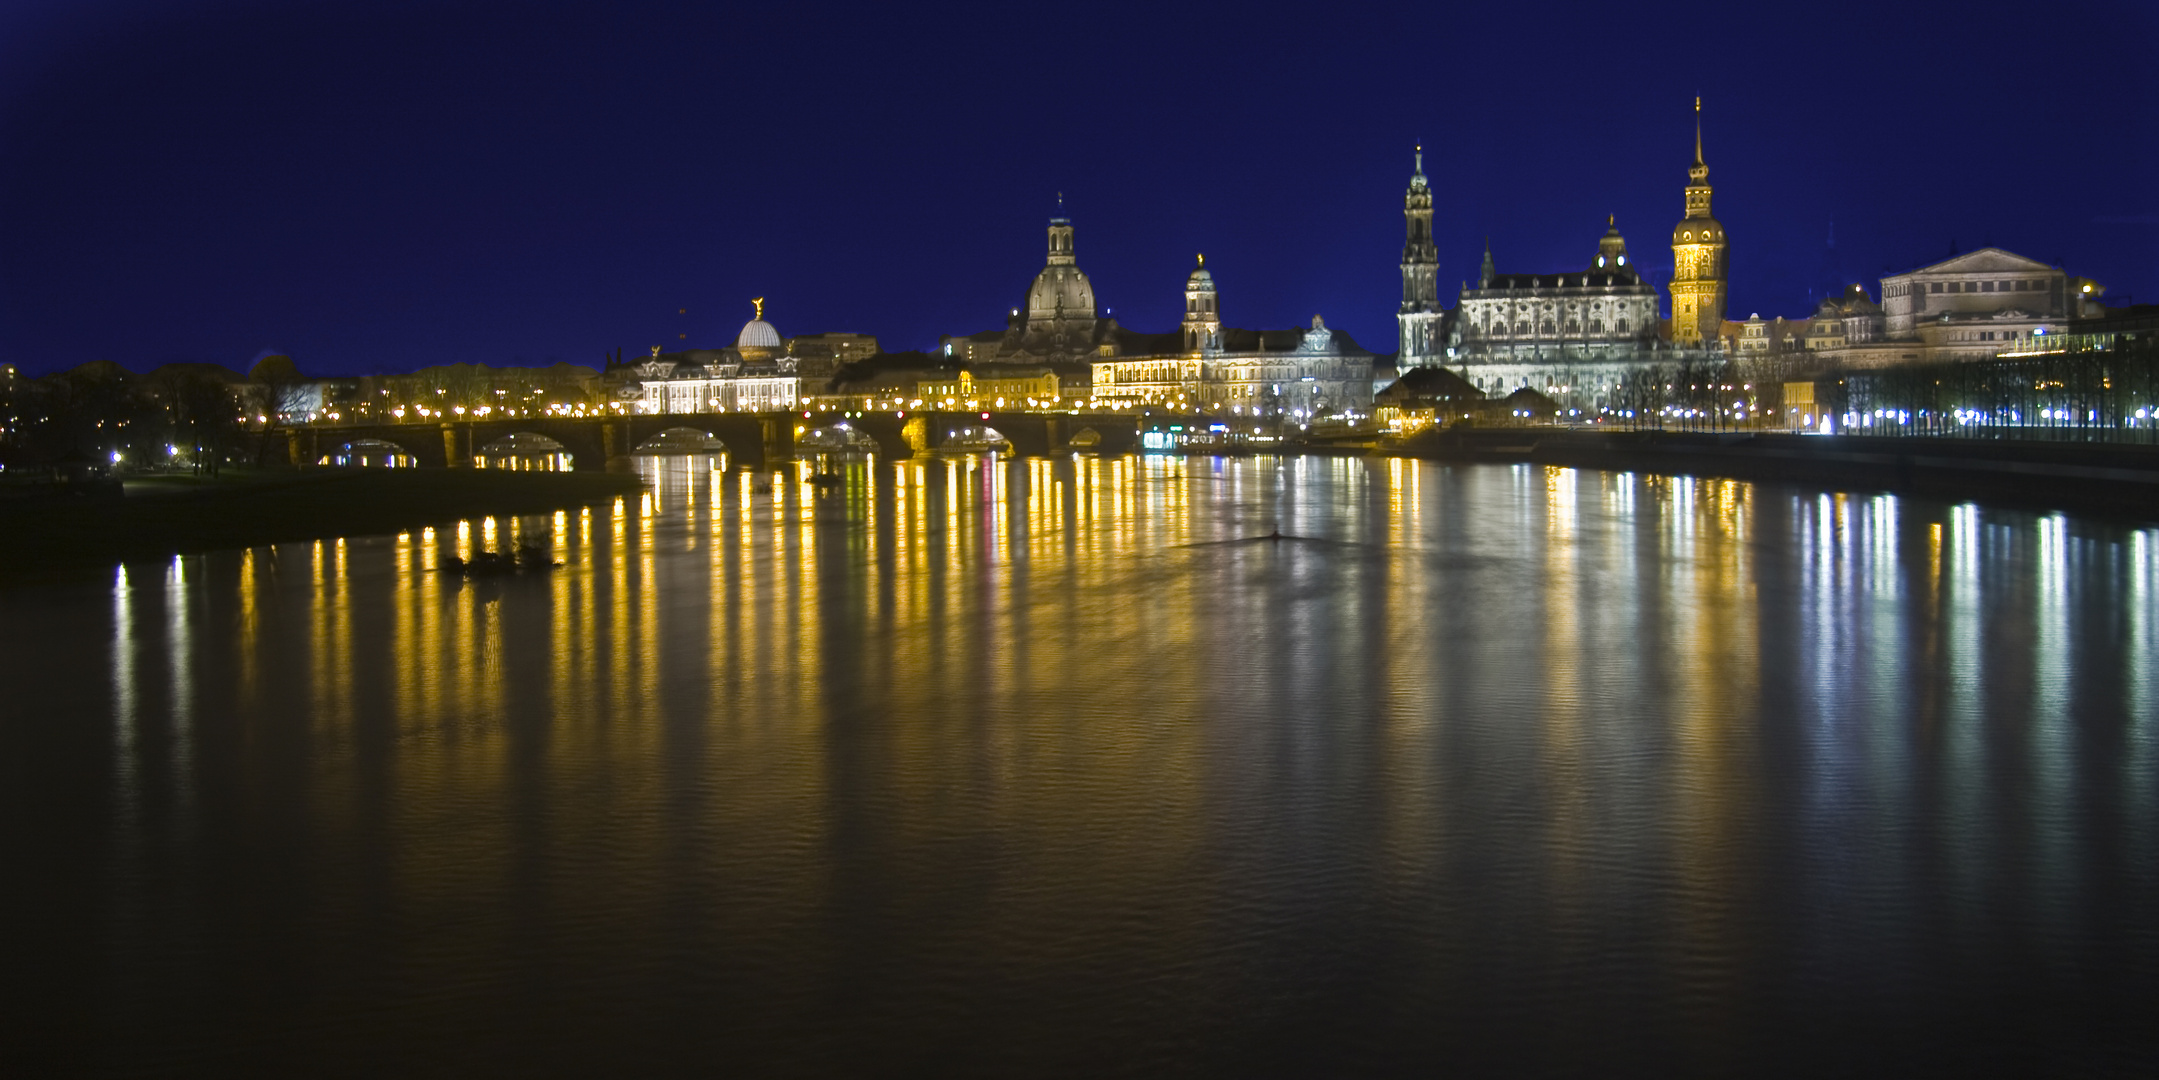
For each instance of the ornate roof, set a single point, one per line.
(1060, 291)
(757, 334)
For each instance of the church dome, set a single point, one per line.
(1061, 291)
(1201, 280)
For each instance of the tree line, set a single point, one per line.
(102, 416)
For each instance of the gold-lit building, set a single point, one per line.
(996, 386)
(1699, 266)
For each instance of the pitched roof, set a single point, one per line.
(1983, 261)
(1429, 383)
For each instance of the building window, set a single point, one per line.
(1935, 286)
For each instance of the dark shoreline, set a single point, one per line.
(59, 537)
(2109, 479)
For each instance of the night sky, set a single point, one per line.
(377, 186)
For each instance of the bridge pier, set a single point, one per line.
(920, 432)
(779, 439)
(451, 437)
(300, 447)
(1055, 429)
(611, 442)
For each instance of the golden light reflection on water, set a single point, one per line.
(1107, 680)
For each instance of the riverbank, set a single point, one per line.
(56, 537)
(2109, 478)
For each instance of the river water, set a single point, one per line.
(995, 767)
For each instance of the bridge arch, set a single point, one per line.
(1085, 439)
(966, 437)
(363, 453)
(524, 450)
(669, 442)
(836, 438)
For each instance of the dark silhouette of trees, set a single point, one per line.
(100, 415)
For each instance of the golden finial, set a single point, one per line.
(1697, 103)
(655, 352)
(1611, 220)
(1203, 259)
(760, 302)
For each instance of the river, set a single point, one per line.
(993, 767)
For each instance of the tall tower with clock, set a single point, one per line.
(1698, 259)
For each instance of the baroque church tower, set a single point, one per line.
(1202, 318)
(1698, 259)
(1418, 322)
(1059, 317)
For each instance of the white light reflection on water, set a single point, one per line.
(2140, 764)
(2051, 729)
(1964, 720)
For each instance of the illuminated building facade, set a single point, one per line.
(756, 374)
(1295, 373)
(993, 387)
(1699, 265)
(1971, 307)
(1570, 336)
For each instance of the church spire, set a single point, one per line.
(1419, 320)
(1698, 189)
(1698, 132)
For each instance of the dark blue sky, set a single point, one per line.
(376, 186)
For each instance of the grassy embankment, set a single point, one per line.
(49, 538)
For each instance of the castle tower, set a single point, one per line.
(1418, 322)
(1202, 319)
(1698, 259)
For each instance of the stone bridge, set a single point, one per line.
(753, 440)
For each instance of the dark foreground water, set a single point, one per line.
(1051, 768)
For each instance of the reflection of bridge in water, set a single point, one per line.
(751, 440)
